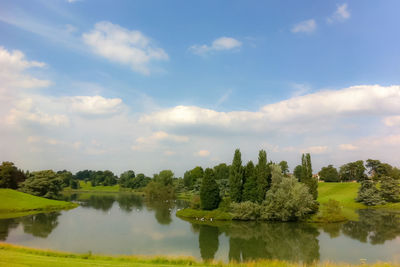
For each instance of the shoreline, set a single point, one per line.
(14, 254)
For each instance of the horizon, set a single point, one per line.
(151, 85)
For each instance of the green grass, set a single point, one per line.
(87, 187)
(346, 194)
(11, 255)
(14, 204)
(217, 214)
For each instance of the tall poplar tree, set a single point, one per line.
(262, 176)
(250, 183)
(236, 177)
(209, 191)
(306, 175)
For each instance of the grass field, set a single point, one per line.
(87, 187)
(14, 204)
(11, 255)
(346, 194)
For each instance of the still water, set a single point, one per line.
(127, 224)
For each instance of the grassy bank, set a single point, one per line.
(208, 215)
(14, 204)
(11, 255)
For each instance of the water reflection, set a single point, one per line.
(128, 203)
(208, 241)
(374, 226)
(40, 225)
(5, 226)
(155, 229)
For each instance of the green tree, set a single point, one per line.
(165, 177)
(352, 171)
(297, 172)
(191, 177)
(161, 187)
(126, 178)
(139, 181)
(250, 183)
(262, 175)
(390, 189)
(284, 167)
(369, 194)
(236, 177)
(287, 199)
(209, 191)
(221, 172)
(10, 176)
(307, 177)
(329, 174)
(43, 183)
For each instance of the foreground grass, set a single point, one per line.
(14, 204)
(11, 255)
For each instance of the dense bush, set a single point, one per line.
(329, 174)
(43, 183)
(368, 194)
(161, 187)
(287, 200)
(390, 189)
(246, 211)
(155, 190)
(10, 176)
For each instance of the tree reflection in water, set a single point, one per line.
(373, 226)
(208, 241)
(284, 241)
(5, 226)
(40, 225)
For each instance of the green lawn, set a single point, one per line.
(346, 194)
(14, 203)
(11, 255)
(87, 187)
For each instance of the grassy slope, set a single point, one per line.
(346, 194)
(14, 203)
(11, 255)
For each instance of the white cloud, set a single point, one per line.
(361, 100)
(203, 153)
(307, 26)
(12, 71)
(94, 105)
(25, 110)
(153, 140)
(124, 46)
(220, 44)
(340, 15)
(348, 147)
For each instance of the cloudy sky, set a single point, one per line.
(150, 85)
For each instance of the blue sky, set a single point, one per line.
(149, 85)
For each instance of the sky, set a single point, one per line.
(152, 85)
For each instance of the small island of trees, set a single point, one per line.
(261, 191)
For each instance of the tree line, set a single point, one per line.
(252, 184)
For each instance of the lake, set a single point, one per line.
(124, 223)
